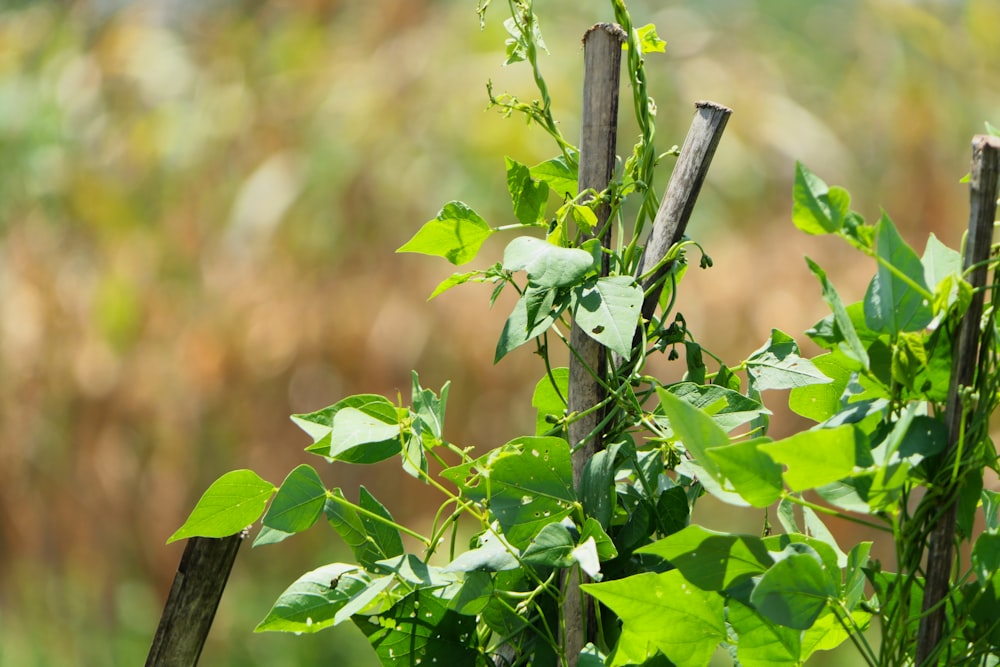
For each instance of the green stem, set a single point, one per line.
(426, 541)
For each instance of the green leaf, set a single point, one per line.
(695, 429)
(560, 176)
(892, 305)
(551, 547)
(777, 365)
(991, 510)
(817, 457)
(377, 595)
(420, 629)
(417, 573)
(527, 484)
(827, 632)
(492, 554)
(819, 402)
(986, 556)
(369, 538)
(547, 265)
(607, 309)
(358, 436)
(456, 234)
(712, 561)
(352, 442)
(749, 471)
(854, 574)
(597, 486)
(649, 41)
(939, 262)
(519, 329)
(795, 590)
(550, 400)
(605, 546)
(230, 504)
(816, 208)
(728, 408)
(297, 505)
(695, 361)
(684, 622)
(470, 595)
(528, 195)
(853, 346)
(430, 407)
(312, 602)
(760, 642)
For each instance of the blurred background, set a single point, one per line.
(199, 206)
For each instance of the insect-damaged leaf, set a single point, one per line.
(456, 234)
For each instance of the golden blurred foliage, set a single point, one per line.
(199, 206)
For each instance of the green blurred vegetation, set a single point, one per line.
(198, 213)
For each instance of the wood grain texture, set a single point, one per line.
(682, 192)
(602, 52)
(187, 616)
(966, 357)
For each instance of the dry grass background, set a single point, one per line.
(198, 214)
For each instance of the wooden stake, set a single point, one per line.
(983, 196)
(682, 191)
(602, 53)
(187, 616)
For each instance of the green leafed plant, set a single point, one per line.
(669, 592)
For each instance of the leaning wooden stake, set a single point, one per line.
(983, 194)
(194, 597)
(602, 53)
(682, 191)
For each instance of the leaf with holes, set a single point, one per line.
(608, 309)
(456, 234)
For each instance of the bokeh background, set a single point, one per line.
(199, 207)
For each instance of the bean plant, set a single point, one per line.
(670, 592)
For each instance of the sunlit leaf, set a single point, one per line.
(681, 620)
(456, 234)
(230, 504)
(527, 194)
(710, 560)
(817, 457)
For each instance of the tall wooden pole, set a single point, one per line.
(983, 209)
(602, 53)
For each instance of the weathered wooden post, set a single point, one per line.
(187, 616)
(966, 353)
(602, 54)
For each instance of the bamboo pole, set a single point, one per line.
(602, 52)
(983, 209)
(682, 191)
(190, 608)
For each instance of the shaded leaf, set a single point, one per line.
(795, 590)
(296, 506)
(312, 602)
